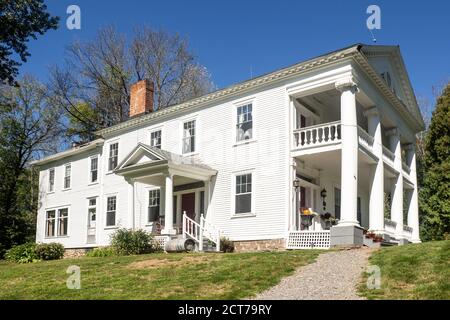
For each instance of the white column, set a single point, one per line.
(376, 197)
(131, 203)
(349, 152)
(168, 205)
(413, 210)
(397, 186)
(206, 204)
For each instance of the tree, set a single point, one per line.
(29, 128)
(93, 86)
(435, 191)
(20, 20)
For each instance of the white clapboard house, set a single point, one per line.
(305, 156)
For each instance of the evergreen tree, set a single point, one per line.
(435, 191)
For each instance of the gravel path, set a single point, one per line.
(334, 276)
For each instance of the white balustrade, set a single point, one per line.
(318, 135)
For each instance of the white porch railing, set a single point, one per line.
(406, 168)
(407, 232)
(364, 138)
(201, 231)
(388, 154)
(308, 240)
(389, 226)
(318, 135)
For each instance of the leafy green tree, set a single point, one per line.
(29, 128)
(435, 191)
(20, 20)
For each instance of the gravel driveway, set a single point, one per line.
(334, 276)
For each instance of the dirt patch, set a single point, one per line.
(156, 263)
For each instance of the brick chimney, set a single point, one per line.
(141, 98)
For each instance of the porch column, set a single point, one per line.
(413, 210)
(397, 186)
(131, 207)
(168, 205)
(349, 152)
(376, 197)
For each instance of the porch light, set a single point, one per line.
(296, 183)
(323, 193)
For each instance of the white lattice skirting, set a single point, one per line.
(309, 240)
(161, 241)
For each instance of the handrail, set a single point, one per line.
(364, 137)
(199, 231)
(317, 126)
(317, 135)
(388, 153)
(191, 228)
(406, 168)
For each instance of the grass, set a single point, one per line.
(413, 271)
(154, 276)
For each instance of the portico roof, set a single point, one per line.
(145, 160)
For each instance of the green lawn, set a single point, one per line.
(413, 271)
(154, 276)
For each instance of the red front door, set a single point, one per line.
(188, 204)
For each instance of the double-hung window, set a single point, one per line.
(50, 223)
(113, 156)
(153, 205)
(56, 222)
(94, 169)
(244, 123)
(111, 204)
(51, 180)
(243, 195)
(67, 175)
(189, 136)
(155, 139)
(63, 219)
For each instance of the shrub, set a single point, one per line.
(23, 253)
(50, 251)
(101, 252)
(127, 242)
(226, 245)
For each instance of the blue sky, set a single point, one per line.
(234, 38)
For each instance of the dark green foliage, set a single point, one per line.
(50, 251)
(128, 242)
(101, 252)
(435, 191)
(20, 21)
(226, 245)
(23, 253)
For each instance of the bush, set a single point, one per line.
(101, 252)
(226, 245)
(127, 242)
(23, 253)
(50, 251)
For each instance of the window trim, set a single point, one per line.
(148, 190)
(56, 209)
(64, 177)
(108, 171)
(115, 211)
(252, 212)
(236, 106)
(196, 135)
(96, 156)
(153, 130)
(48, 180)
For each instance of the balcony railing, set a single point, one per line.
(318, 135)
(388, 154)
(389, 226)
(407, 232)
(364, 138)
(406, 168)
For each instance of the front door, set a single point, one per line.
(188, 204)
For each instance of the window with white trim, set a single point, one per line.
(67, 175)
(111, 204)
(63, 220)
(56, 222)
(189, 136)
(154, 201)
(243, 195)
(50, 223)
(93, 174)
(51, 180)
(244, 123)
(155, 139)
(113, 156)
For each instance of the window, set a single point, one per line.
(153, 205)
(63, 217)
(189, 136)
(337, 203)
(92, 212)
(51, 180)
(67, 172)
(113, 156)
(111, 211)
(244, 123)
(94, 169)
(243, 198)
(155, 139)
(50, 224)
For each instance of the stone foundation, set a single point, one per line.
(75, 253)
(260, 245)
